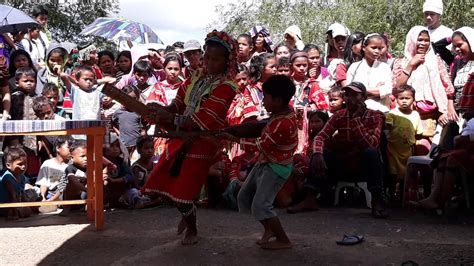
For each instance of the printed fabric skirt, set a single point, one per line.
(184, 187)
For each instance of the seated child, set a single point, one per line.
(12, 184)
(51, 172)
(293, 190)
(277, 142)
(118, 177)
(72, 184)
(142, 168)
(336, 99)
(283, 67)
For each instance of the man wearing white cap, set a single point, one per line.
(432, 10)
(193, 54)
(337, 34)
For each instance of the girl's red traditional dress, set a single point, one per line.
(309, 96)
(206, 102)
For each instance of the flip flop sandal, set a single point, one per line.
(350, 240)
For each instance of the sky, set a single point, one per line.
(173, 20)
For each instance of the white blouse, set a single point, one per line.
(378, 76)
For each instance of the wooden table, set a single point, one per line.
(95, 131)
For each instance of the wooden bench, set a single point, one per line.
(95, 131)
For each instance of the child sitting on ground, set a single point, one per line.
(12, 184)
(293, 190)
(51, 171)
(72, 184)
(142, 168)
(277, 143)
(118, 177)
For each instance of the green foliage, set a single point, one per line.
(68, 18)
(395, 17)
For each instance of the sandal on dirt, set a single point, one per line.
(350, 240)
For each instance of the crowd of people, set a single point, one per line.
(251, 124)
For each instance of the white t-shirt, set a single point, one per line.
(36, 51)
(85, 104)
(50, 173)
(440, 33)
(379, 75)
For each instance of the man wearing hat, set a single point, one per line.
(193, 54)
(350, 139)
(433, 10)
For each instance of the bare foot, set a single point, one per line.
(274, 245)
(190, 238)
(267, 235)
(428, 204)
(181, 226)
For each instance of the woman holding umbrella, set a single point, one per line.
(201, 104)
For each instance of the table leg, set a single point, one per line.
(90, 177)
(99, 184)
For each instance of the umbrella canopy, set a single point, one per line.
(118, 29)
(12, 19)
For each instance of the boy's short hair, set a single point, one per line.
(81, 69)
(143, 66)
(50, 87)
(14, 153)
(77, 144)
(142, 140)
(60, 141)
(280, 87)
(39, 102)
(283, 62)
(336, 90)
(398, 90)
(25, 71)
(179, 45)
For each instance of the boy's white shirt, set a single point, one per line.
(50, 173)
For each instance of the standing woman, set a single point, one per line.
(262, 43)
(374, 74)
(201, 104)
(426, 73)
(107, 63)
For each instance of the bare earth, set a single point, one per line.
(148, 237)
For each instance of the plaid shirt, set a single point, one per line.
(357, 133)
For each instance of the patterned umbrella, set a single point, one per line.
(117, 29)
(12, 19)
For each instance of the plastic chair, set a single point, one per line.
(361, 185)
(412, 161)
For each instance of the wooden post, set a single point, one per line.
(99, 183)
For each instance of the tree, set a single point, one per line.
(395, 17)
(68, 18)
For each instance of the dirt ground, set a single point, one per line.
(147, 237)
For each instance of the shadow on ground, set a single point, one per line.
(226, 237)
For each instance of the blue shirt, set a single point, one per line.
(5, 177)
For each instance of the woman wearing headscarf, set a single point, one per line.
(262, 43)
(425, 72)
(201, 104)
